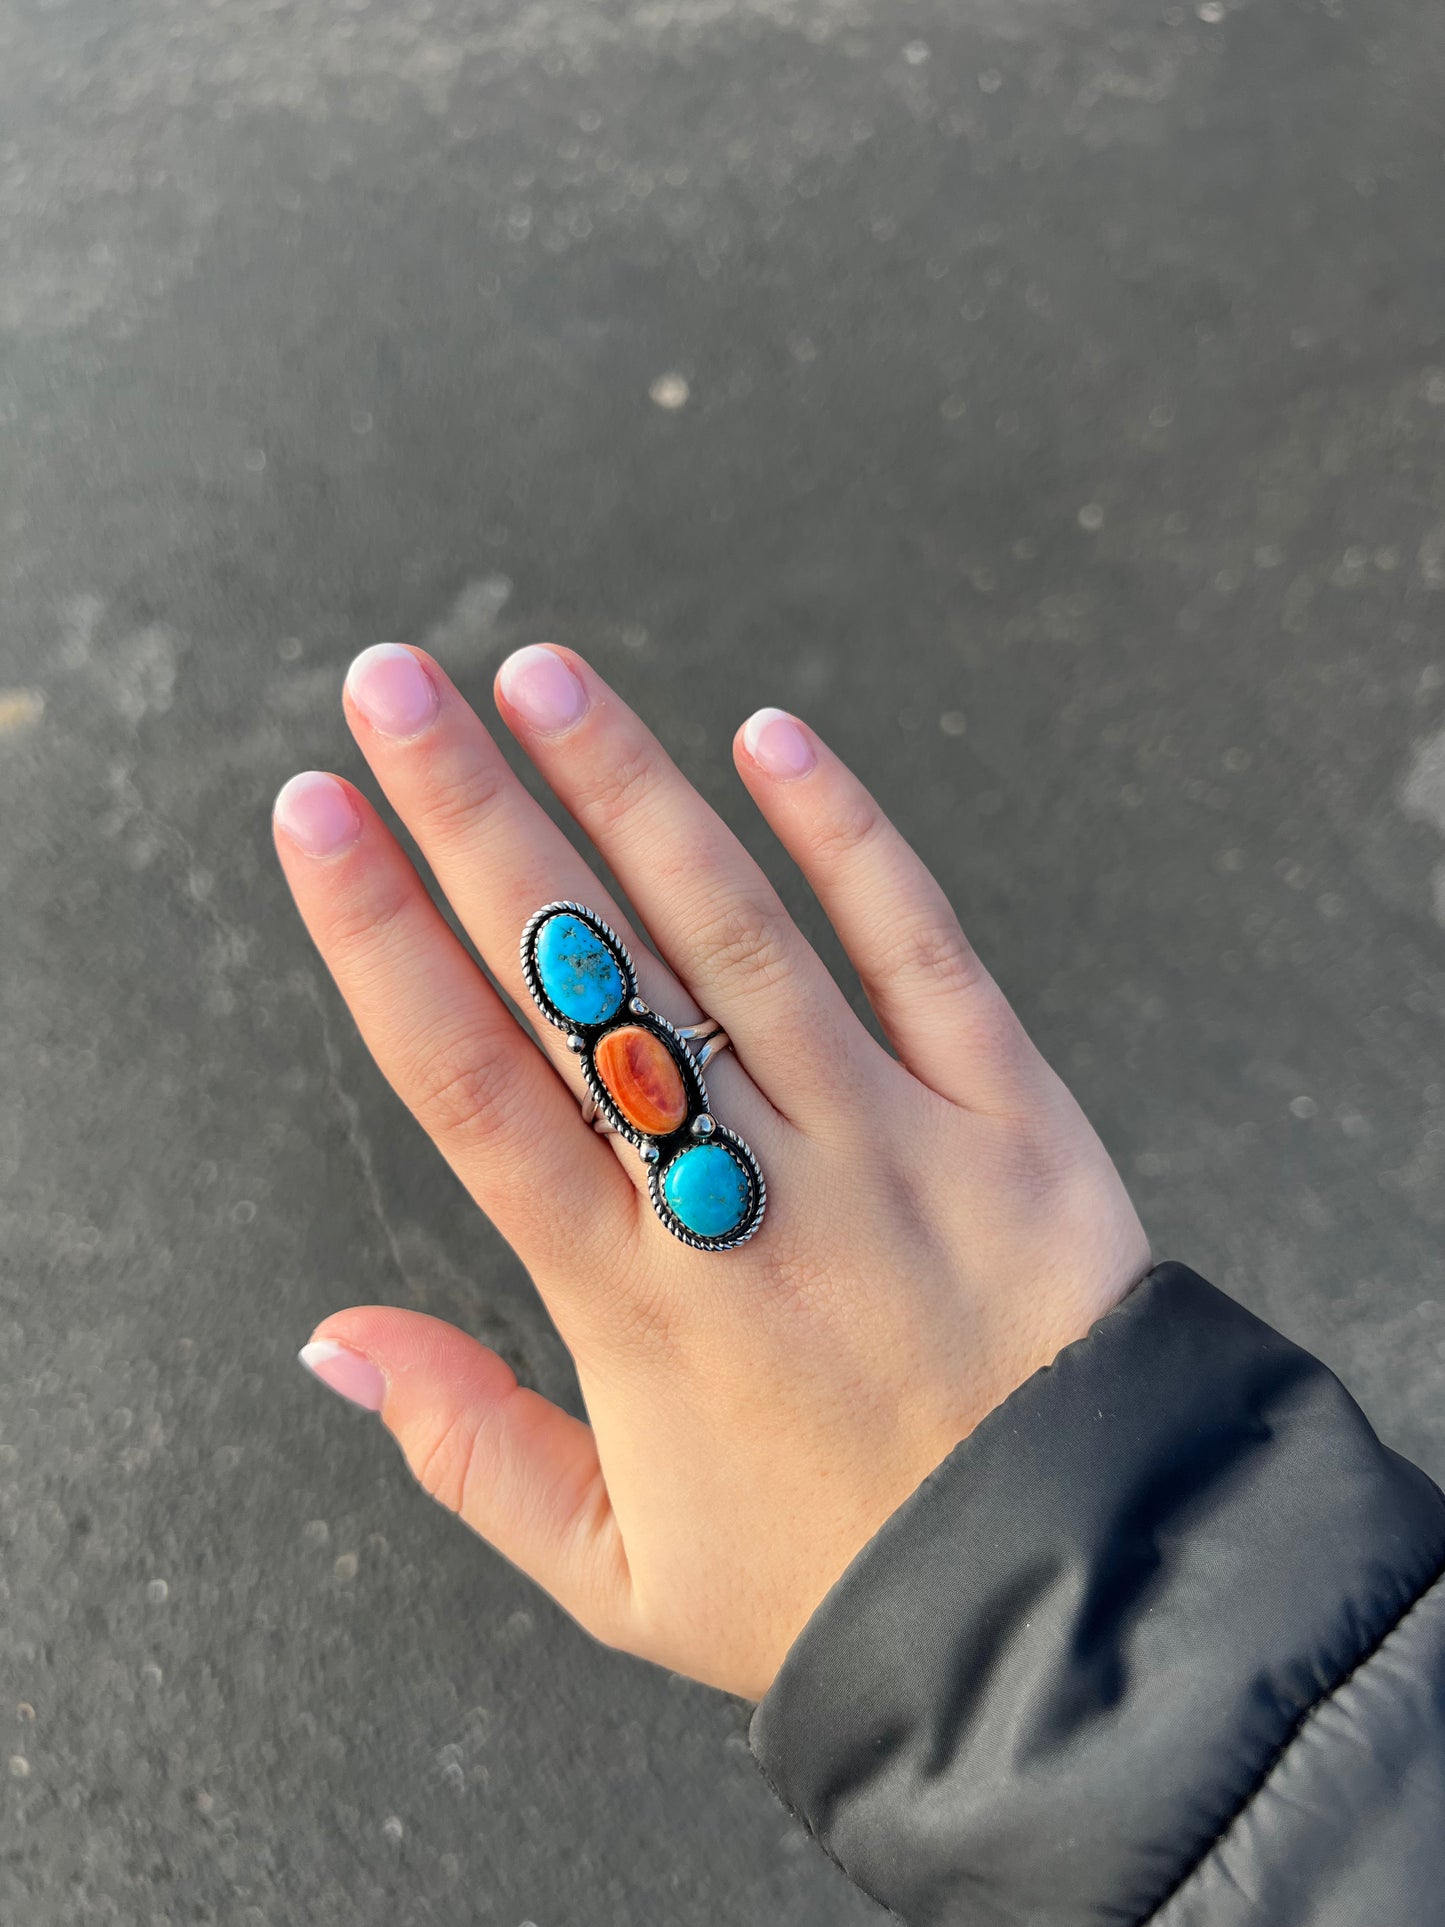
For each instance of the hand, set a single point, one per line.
(938, 1225)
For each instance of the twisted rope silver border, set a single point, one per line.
(529, 970)
(687, 1064)
(757, 1202)
(687, 1067)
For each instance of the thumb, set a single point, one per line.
(515, 1468)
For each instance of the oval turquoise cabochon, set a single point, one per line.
(578, 970)
(708, 1189)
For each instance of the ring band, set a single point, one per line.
(644, 1077)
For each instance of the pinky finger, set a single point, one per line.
(945, 1016)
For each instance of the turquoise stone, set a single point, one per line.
(578, 971)
(708, 1189)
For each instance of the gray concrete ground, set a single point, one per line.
(1046, 399)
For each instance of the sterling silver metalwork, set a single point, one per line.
(691, 1046)
(707, 1032)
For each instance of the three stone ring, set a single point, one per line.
(644, 1077)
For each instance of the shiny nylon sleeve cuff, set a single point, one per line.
(1064, 1667)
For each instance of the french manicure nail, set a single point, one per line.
(317, 813)
(392, 690)
(346, 1372)
(778, 744)
(543, 689)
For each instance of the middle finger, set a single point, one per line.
(714, 914)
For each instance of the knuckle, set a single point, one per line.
(798, 1288)
(746, 941)
(637, 1317)
(366, 919)
(931, 948)
(444, 1464)
(847, 830)
(458, 799)
(614, 791)
(1032, 1174)
(462, 1094)
(993, 1032)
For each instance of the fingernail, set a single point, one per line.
(778, 744)
(317, 813)
(392, 690)
(346, 1372)
(541, 686)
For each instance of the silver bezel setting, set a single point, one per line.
(757, 1199)
(609, 936)
(682, 1056)
(583, 1039)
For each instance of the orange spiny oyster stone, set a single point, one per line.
(643, 1079)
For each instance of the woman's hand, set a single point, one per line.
(938, 1225)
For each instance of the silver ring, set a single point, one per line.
(644, 1077)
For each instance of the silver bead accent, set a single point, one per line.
(637, 1007)
(574, 1042)
(703, 1126)
(648, 1151)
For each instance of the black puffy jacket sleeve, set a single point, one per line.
(1162, 1641)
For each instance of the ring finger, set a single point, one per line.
(498, 856)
